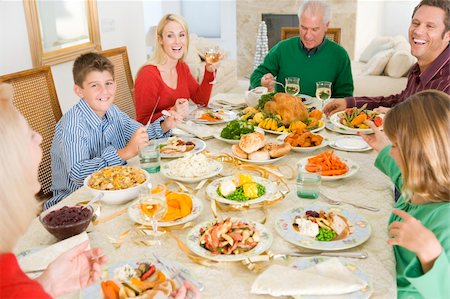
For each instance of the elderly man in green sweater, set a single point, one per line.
(311, 56)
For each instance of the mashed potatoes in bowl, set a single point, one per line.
(191, 168)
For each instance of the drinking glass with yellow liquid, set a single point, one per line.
(212, 55)
(292, 86)
(153, 207)
(323, 91)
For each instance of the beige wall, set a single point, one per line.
(249, 16)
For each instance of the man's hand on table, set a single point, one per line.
(334, 106)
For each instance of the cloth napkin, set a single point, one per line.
(229, 100)
(39, 260)
(201, 131)
(327, 278)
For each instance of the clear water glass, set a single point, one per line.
(308, 183)
(149, 157)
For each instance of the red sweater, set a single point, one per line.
(16, 284)
(149, 86)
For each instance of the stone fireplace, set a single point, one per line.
(251, 12)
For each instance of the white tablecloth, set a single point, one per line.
(232, 280)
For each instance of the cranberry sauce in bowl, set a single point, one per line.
(67, 221)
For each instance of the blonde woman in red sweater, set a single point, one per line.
(166, 81)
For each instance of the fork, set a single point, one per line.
(338, 202)
(176, 273)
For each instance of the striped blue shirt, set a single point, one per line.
(84, 143)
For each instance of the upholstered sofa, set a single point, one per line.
(383, 66)
(226, 73)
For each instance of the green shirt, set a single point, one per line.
(288, 59)
(411, 281)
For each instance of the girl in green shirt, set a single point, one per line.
(418, 163)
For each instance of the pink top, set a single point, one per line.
(149, 87)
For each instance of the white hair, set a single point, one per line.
(315, 7)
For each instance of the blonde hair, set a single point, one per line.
(159, 56)
(19, 205)
(420, 128)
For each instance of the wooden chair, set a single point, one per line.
(35, 97)
(332, 33)
(122, 72)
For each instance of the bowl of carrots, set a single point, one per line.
(331, 166)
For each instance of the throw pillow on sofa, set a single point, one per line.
(378, 44)
(377, 63)
(399, 64)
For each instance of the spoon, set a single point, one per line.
(90, 202)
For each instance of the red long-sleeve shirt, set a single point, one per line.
(149, 87)
(16, 284)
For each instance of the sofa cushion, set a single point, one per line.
(399, 64)
(378, 44)
(377, 63)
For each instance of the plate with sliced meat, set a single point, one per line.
(228, 240)
(176, 147)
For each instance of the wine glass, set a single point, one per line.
(292, 85)
(212, 55)
(153, 207)
(323, 91)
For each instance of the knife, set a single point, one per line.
(356, 255)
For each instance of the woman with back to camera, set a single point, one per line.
(166, 82)
(72, 270)
(416, 157)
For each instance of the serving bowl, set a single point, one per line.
(253, 96)
(117, 197)
(67, 221)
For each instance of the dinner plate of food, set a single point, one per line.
(253, 148)
(241, 189)
(212, 116)
(306, 99)
(353, 119)
(363, 293)
(191, 168)
(304, 141)
(338, 168)
(134, 277)
(239, 239)
(176, 147)
(332, 127)
(350, 144)
(322, 227)
(181, 208)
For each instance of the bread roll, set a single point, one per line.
(252, 142)
(238, 152)
(278, 150)
(261, 155)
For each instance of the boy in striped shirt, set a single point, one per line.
(95, 133)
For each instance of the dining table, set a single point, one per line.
(234, 279)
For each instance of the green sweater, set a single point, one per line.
(288, 59)
(411, 281)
